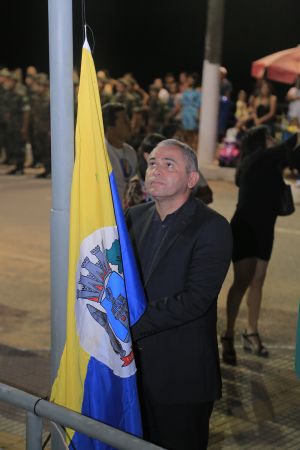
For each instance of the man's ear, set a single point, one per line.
(193, 179)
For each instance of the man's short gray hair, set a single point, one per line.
(190, 155)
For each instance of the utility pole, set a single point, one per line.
(62, 158)
(211, 82)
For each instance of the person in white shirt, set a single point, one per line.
(293, 97)
(122, 156)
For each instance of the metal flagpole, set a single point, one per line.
(211, 82)
(62, 157)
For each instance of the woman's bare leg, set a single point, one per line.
(255, 295)
(243, 273)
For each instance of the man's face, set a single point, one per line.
(29, 80)
(34, 86)
(9, 84)
(153, 93)
(190, 81)
(169, 80)
(121, 88)
(158, 83)
(38, 88)
(167, 175)
(265, 89)
(182, 77)
(101, 83)
(122, 126)
(31, 70)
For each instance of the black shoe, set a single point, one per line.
(44, 175)
(254, 345)
(15, 172)
(228, 352)
(35, 165)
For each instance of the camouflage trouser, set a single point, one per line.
(36, 152)
(41, 143)
(15, 148)
(2, 136)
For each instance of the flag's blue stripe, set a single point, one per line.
(134, 290)
(109, 399)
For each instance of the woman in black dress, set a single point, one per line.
(260, 182)
(265, 105)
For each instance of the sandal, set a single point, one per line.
(254, 346)
(228, 352)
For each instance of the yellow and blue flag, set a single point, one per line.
(96, 376)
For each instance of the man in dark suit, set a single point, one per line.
(184, 250)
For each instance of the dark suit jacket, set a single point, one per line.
(176, 340)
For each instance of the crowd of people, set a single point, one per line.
(170, 106)
(25, 118)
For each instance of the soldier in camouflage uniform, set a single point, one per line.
(123, 96)
(157, 111)
(20, 87)
(136, 94)
(41, 122)
(16, 118)
(102, 80)
(29, 82)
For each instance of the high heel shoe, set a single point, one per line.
(228, 351)
(255, 345)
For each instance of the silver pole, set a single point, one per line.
(62, 148)
(62, 158)
(34, 428)
(211, 82)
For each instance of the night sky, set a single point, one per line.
(150, 38)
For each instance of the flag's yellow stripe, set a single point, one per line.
(90, 210)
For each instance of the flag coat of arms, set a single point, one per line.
(96, 376)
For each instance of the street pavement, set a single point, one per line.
(260, 408)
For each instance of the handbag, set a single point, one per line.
(204, 193)
(202, 190)
(286, 202)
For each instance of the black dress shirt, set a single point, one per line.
(155, 237)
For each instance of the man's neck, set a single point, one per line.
(114, 141)
(168, 206)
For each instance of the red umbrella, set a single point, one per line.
(281, 66)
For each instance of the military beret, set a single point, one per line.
(4, 72)
(13, 76)
(101, 76)
(152, 87)
(8, 74)
(124, 81)
(42, 79)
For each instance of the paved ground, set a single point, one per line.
(261, 403)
